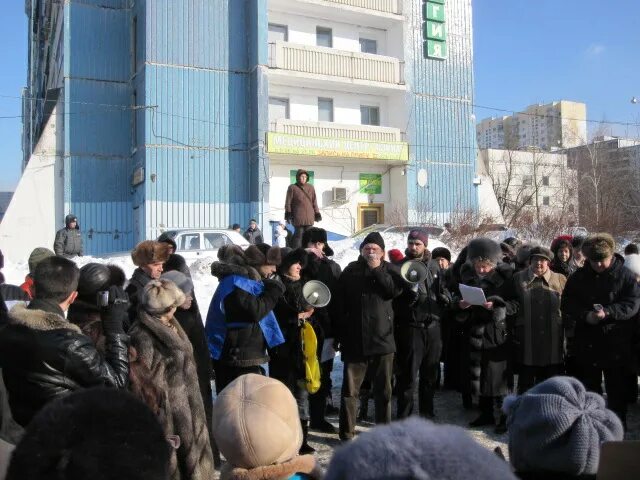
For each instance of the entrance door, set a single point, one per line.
(369, 214)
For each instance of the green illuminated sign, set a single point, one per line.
(434, 30)
(371, 183)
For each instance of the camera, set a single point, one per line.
(102, 299)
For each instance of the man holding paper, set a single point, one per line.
(485, 277)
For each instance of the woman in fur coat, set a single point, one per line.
(163, 374)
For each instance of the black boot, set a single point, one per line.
(363, 414)
(501, 427)
(305, 448)
(486, 413)
(467, 401)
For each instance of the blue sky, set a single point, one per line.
(526, 51)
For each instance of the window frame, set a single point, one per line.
(328, 101)
(324, 30)
(369, 40)
(369, 109)
(279, 25)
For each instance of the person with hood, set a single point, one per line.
(36, 256)
(164, 376)
(240, 322)
(175, 260)
(43, 356)
(256, 425)
(417, 333)
(281, 234)
(320, 267)
(301, 206)
(253, 233)
(487, 352)
(562, 255)
(149, 256)
(539, 337)
(68, 242)
(599, 304)
(364, 310)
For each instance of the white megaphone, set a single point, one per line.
(316, 294)
(414, 272)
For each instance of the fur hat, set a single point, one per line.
(599, 246)
(373, 237)
(484, 249)
(37, 255)
(97, 433)
(513, 242)
(168, 240)
(300, 172)
(419, 234)
(160, 296)
(263, 254)
(183, 282)
(395, 255)
(148, 252)
(561, 241)
(441, 252)
(314, 234)
(523, 253)
(256, 422)
(540, 251)
(557, 426)
(416, 449)
(632, 262)
(299, 255)
(508, 252)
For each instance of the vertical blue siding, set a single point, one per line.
(441, 124)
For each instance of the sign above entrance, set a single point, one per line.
(336, 147)
(371, 183)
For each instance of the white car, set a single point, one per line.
(199, 243)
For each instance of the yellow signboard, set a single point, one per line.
(336, 147)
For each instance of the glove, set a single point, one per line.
(592, 318)
(275, 280)
(116, 313)
(318, 217)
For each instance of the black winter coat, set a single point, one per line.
(288, 356)
(134, 289)
(68, 243)
(328, 272)
(610, 343)
(364, 309)
(246, 346)
(429, 305)
(43, 357)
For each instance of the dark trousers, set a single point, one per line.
(354, 373)
(418, 362)
(530, 375)
(616, 382)
(225, 374)
(284, 371)
(318, 400)
(296, 240)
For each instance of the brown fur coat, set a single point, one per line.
(164, 375)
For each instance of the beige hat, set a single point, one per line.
(160, 296)
(256, 422)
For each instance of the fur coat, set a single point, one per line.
(164, 376)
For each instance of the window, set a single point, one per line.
(369, 115)
(278, 108)
(527, 180)
(325, 110)
(189, 241)
(278, 33)
(368, 46)
(213, 241)
(545, 181)
(324, 37)
(545, 201)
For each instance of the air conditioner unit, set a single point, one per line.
(339, 194)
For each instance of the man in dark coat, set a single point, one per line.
(599, 303)
(301, 207)
(149, 256)
(68, 242)
(364, 312)
(253, 233)
(418, 337)
(320, 267)
(43, 356)
(240, 323)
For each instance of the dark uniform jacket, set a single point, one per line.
(68, 242)
(364, 308)
(428, 306)
(328, 272)
(134, 289)
(43, 357)
(610, 343)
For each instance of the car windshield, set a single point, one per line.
(366, 231)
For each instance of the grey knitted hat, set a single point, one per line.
(183, 282)
(559, 427)
(416, 449)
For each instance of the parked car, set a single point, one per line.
(434, 231)
(198, 243)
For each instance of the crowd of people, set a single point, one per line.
(528, 348)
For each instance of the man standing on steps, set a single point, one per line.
(301, 207)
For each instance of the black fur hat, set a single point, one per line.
(441, 252)
(299, 255)
(484, 249)
(263, 254)
(314, 234)
(96, 433)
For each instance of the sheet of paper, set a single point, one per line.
(327, 350)
(472, 295)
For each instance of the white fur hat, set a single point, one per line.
(160, 296)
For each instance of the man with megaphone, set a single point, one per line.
(417, 321)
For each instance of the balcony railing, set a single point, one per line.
(386, 6)
(365, 133)
(337, 63)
